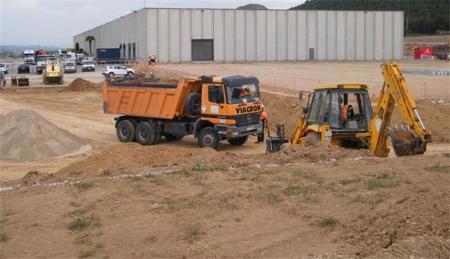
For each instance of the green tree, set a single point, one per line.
(90, 39)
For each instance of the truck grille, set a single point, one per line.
(247, 119)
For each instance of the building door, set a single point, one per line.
(311, 53)
(202, 50)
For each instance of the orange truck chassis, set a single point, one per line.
(210, 108)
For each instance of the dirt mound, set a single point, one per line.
(418, 247)
(435, 117)
(316, 153)
(81, 84)
(124, 158)
(26, 135)
(159, 74)
(282, 109)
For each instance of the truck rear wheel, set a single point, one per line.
(125, 130)
(208, 137)
(146, 133)
(238, 141)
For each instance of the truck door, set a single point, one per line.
(213, 104)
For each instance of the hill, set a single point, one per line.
(421, 17)
(252, 7)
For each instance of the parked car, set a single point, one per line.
(3, 68)
(88, 66)
(70, 67)
(114, 70)
(23, 69)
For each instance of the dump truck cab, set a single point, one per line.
(233, 105)
(210, 108)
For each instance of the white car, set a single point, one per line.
(117, 70)
(87, 66)
(3, 68)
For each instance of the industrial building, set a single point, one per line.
(229, 35)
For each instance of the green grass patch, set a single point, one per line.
(81, 223)
(349, 181)
(3, 237)
(294, 190)
(444, 169)
(372, 201)
(86, 253)
(328, 222)
(309, 176)
(192, 233)
(83, 186)
(382, 181)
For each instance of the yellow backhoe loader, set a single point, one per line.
(52, 72)
(342, 115)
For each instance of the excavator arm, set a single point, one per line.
(410, 138)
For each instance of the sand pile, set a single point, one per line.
(80, 84)
(316, 153)
(159, 74)
(26, 135)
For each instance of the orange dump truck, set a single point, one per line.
(210, 108)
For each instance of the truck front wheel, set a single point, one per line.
(208, 137)
(146, 133)
(125, 130)
(238, 141)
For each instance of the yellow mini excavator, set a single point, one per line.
(342, 115)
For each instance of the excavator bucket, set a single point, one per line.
(406, 143)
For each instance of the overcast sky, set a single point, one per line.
(54, 22)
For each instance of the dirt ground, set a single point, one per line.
(295, 76)
(174, 200)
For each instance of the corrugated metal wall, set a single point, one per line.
(259, 35)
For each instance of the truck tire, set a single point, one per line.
(170, 137)
(208, 137)
(193, 104)
(238, 141)
(125, 130)
(146, 133)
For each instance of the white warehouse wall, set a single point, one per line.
(256, 35)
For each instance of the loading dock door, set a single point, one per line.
(202, 50)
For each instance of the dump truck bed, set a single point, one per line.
(148, 99)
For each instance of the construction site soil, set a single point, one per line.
(176, 200)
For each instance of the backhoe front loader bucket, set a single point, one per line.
(407, 143)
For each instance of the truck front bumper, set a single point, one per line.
(234, 131)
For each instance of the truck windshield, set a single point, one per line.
(41, 58)
(243, 93)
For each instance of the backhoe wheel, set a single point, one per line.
(208, 137)
(238, 141)
(125, 130)
(146, 133)
(170, 137)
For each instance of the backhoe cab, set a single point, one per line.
(342, 115)
(336, 114)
